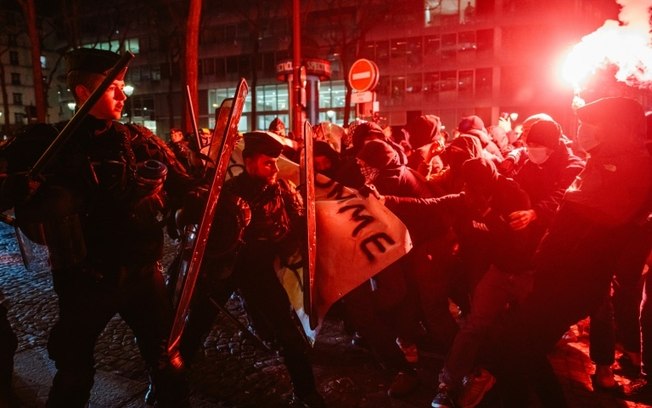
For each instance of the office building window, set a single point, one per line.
(156, 72)
(414, 50)
(13, 58)
(382, 52)
(485, 40)
(466, 41)
(483, 81)
(449, 46)
(431, 82)
(413, 84)
(465, 84)
(448, 81)
(398, 50)
(15, 78)
(18, 98)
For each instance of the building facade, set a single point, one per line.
(17, 98)
(451, 58)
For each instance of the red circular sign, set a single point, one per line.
(363, 75)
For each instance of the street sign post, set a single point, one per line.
(363, 78)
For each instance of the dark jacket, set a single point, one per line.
(484, 235)
(277, 212)
(118, 180)
(547, 183)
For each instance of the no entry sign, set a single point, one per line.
(363, 75)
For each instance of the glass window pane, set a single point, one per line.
(413, 84)
(448, 45)
(414, 50)
(466, 81)
(448, 80)
(398, 49)
(282, 97)
(431, 83)
(398, 86)
(483, 81)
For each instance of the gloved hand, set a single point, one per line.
(148, 195)
(369, 189)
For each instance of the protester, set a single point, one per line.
(474, 126)
(386, 307)
(425, 144)
(182, 151)
(99, 204)
(327, 147)
(581, 248)
(277, 126)
(449, 179)
(641, 389)
(516, 157)
(480, 215)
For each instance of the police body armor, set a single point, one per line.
(96, 193)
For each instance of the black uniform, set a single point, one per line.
(100, 209)
(276, 223)
(8, 343)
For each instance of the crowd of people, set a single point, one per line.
(522, 232)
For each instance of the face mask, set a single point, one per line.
(367, 171)
(587, 137)
(538, 155)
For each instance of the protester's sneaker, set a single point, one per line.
(150, 395)
(404, 383)
(475, 387)
(640, 391)
(309, 400)
(442, 400)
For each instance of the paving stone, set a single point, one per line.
(232, 371)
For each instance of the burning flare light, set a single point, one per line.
(624, 44)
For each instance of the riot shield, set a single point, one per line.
(307, 177)
(194, 246)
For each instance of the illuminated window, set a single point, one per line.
(431, 82)
(398, 49)
(465, 84)
(413, 84)
(448, 80)
(483, 81)
(414, 50)
(437, 12)
(398, 87)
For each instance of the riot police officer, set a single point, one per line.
(100, 207)
(8, 343)
(274, 225)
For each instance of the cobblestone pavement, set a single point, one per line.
(234, 371)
